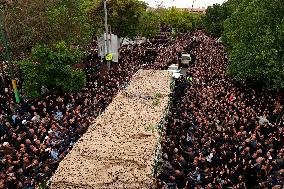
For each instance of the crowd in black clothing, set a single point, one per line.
(35, 135)
(220, 134)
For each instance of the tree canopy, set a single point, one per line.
(217, 14)
(214, 19)
(252, 31)
(149, 24)
(29, 23)
(123, 16)
(181, 20)
(131, 18)
(255, 43)
(51, 67)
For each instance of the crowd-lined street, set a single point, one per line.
(219, 134)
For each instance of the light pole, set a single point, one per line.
(8, 55)
(106, 39)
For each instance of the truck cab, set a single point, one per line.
(186, 59)
(174, 69)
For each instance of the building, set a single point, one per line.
(197, 10)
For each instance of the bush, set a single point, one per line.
(52, 68)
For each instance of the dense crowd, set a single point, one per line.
(220, 134)
(36, 134)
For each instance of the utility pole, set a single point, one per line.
(8, 57)
(106, 39)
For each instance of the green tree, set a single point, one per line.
(214, 19)
(123, 16)
(255, 43)
(52, 68)
(32, 22)
(197, 20)
(180, 20)
(149, 24)
(217, 14)
(232, 5)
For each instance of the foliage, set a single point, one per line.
(181, 20)
(44, 185)
(197, 20)
(149, 24)
(233, 5)
(156, 102)
(255, 43)
(217, 14)
(87, 5)
(158, 95)
(123, 16)
(151, 128)
(214, 19)
(129, 18)
(29, 23)
(52, 68)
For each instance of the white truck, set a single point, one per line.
(175, 70)
(186, 59)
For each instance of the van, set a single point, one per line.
(186, 59)
(175, 70)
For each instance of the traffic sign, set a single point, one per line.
(109, 57)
